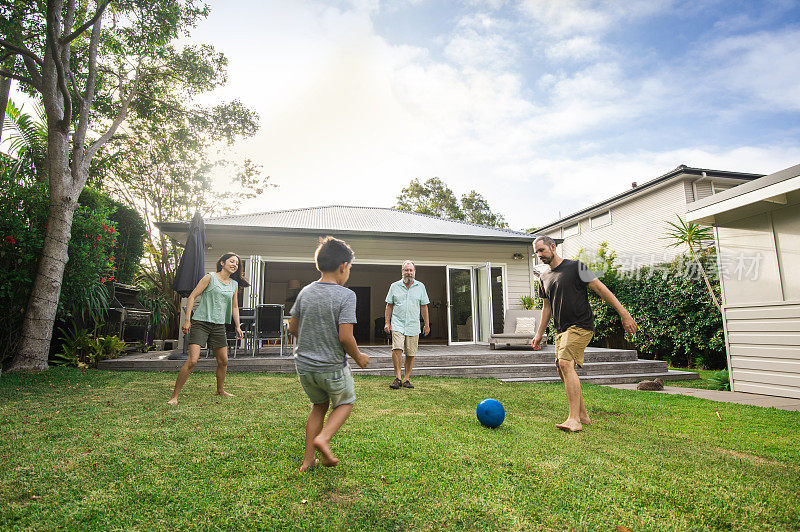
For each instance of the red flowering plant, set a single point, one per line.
(23, 217)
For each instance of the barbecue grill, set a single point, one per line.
(127, 317)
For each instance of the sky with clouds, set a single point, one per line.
(542, 106)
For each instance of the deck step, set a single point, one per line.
(671, 374)
(509, 365)
(648, 367)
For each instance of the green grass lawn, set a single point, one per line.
(703, 382)
(100, 450)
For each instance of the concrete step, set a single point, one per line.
(501, 371)
(614, 378)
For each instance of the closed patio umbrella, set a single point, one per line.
(190, 268)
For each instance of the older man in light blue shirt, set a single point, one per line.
(406, 300)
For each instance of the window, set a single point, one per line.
(571, 230)
(600, 220)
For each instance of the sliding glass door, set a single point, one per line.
(475, 303)
(459, 305)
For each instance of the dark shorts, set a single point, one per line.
(203, 332)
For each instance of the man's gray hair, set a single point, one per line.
(546, 239)
(411, 262)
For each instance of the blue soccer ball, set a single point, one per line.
(490, 413)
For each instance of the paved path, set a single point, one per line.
(781, 403)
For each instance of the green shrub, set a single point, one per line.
(131, 233)
(528, 302)
(23, 218)
(81, 349)
(722, 380)
(677, 320)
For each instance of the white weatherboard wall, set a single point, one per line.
(762, 305)
(764, 348)
(392, 251)
(636, 229)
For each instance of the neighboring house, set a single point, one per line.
(757, 231)
(473, 273)
(634, 222)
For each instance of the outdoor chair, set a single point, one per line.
(247, 321)
(269, 325)
(510, 337)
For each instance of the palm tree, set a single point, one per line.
(27, 136)
(695, 237)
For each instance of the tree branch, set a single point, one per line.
(22, 51)
(79, 138)
(17, 77)
(89, 23)
(33, 72)
(120, 118)
(52, 22)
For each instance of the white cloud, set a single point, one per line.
(348, 118)
(764, 65)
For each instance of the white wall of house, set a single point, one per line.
(391, 252)
(634, 228)
(759, 260)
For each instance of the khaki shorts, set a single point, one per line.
(571, 343)
(334, 386)
(407, 344)
(203, 332)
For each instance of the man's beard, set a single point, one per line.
(408, 278)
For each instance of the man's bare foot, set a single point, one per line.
(570, 425)
(328, 460)
(308, 467)
(225, 394)
(173, 401)
(585, 420)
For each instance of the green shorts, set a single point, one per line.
(205, 331)
(334, 386)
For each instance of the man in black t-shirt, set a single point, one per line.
(564, 295)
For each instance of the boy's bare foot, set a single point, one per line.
(225, 394)
(308, 467)
(324, 447)
(173, 401)
(570, 425)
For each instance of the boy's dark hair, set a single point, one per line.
(332, 253)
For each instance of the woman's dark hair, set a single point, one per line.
(237, 275)
(332, 253)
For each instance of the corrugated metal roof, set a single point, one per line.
(342, 219)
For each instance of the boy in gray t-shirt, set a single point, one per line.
(322, 320)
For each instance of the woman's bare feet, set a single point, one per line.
(570, 425)
(173, 401)
(308, 467)
(324, 447)
(224, 394)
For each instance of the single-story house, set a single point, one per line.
(757, 231)
(634, 222)
(473, 273)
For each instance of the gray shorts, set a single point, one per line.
(334, 386)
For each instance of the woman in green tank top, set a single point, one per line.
(218, 304)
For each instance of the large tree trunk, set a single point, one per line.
(37, 327)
